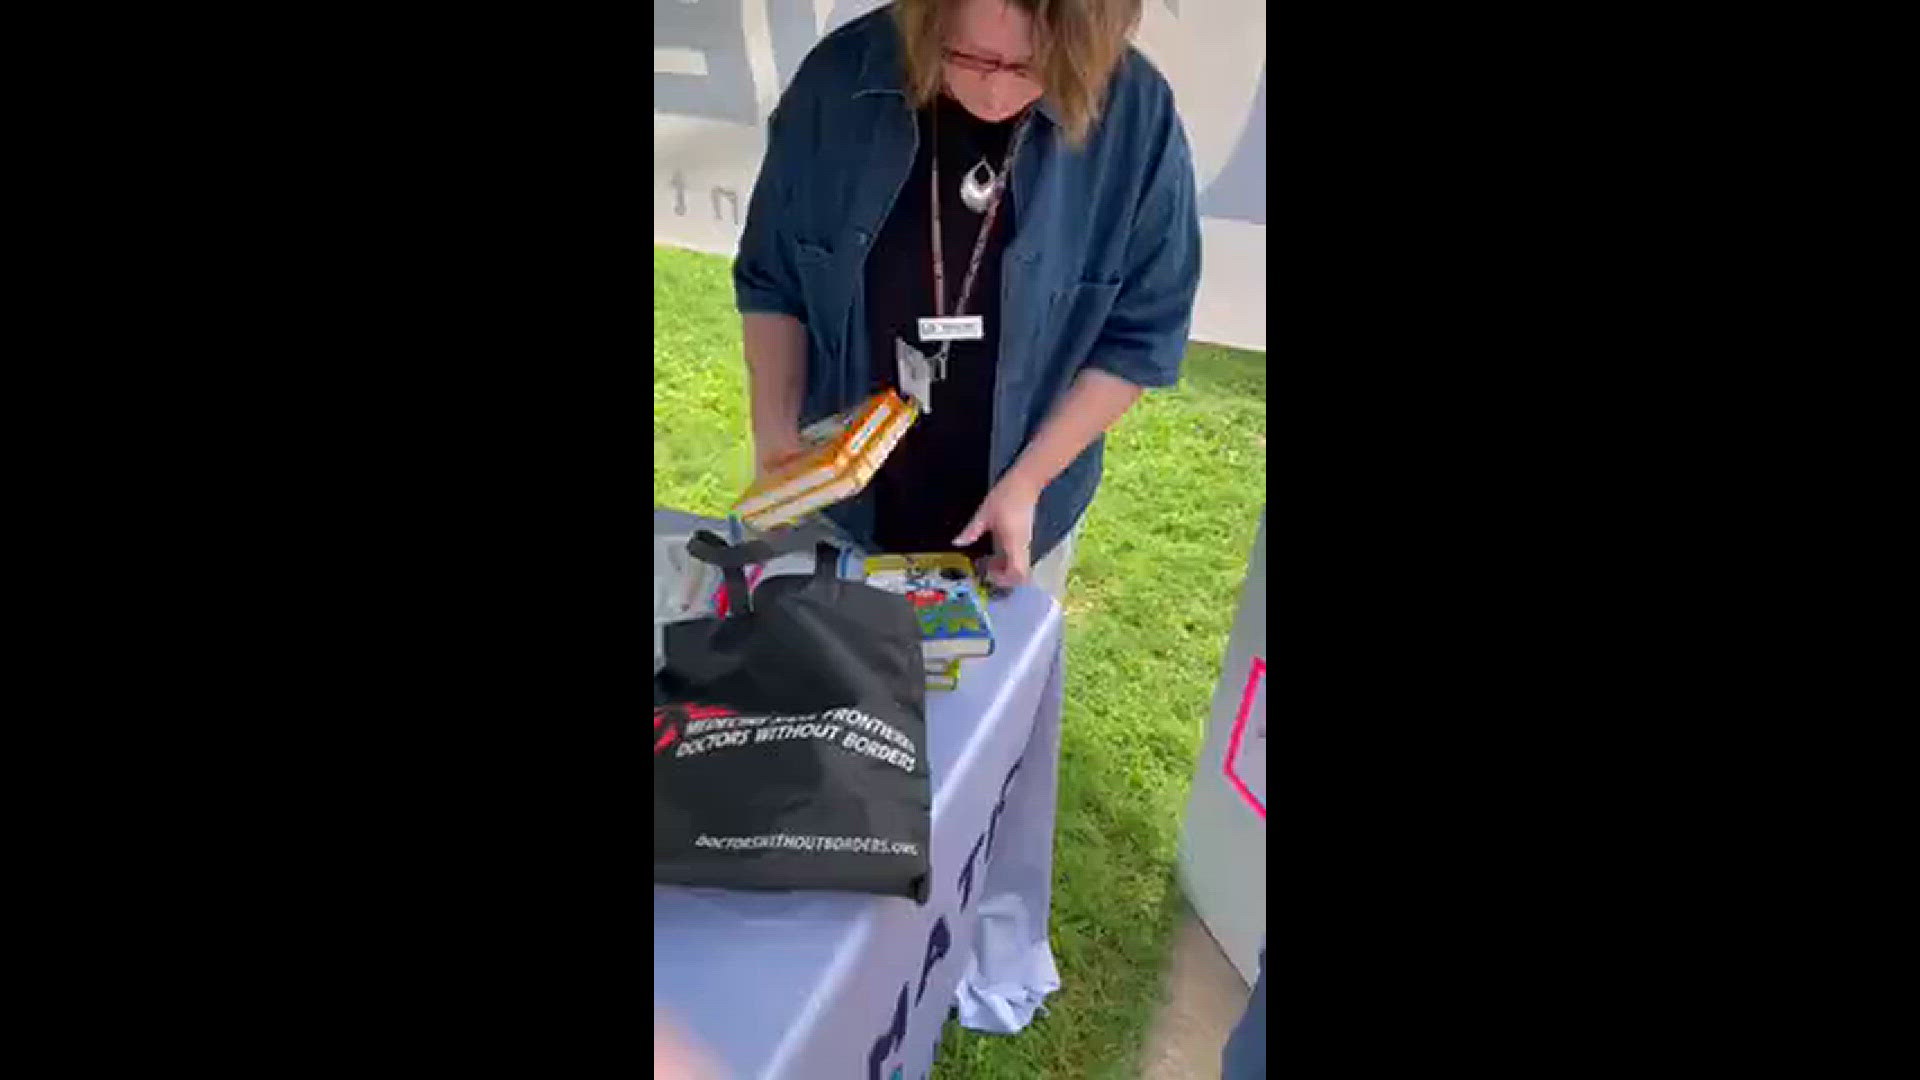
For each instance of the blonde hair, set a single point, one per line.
(1077, 44)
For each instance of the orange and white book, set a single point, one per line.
(844, 451)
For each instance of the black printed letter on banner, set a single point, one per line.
(938, 943)
(895, 1034)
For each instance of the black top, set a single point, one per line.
(935, 478)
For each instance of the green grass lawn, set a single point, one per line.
(1149, 605)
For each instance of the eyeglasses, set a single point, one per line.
(985, 65)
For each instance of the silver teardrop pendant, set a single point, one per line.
(976, 190)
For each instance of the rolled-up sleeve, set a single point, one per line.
(764, 278)
(1145, 335)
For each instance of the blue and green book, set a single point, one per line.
(946, 598)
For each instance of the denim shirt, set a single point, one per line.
(1101, 272)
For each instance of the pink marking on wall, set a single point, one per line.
(1254, 676)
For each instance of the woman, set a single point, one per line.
(1245, 1055)
(1016, 170)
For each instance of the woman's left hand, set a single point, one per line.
(1007, 513)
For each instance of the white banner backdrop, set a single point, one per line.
(720, 65)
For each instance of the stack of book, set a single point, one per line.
(943, 676)
(948, 601)
(843, 452)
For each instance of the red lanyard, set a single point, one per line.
(1001, 184)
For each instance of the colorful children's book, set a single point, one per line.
(944, 676)
(945, 597)
(844, 451)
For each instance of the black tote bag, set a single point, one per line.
(790, 736)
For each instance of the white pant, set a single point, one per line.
(1050, 573)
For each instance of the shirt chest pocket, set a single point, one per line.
(1075, 318)
(810, 256)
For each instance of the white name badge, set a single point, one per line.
(954, 328)
(916, 375)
